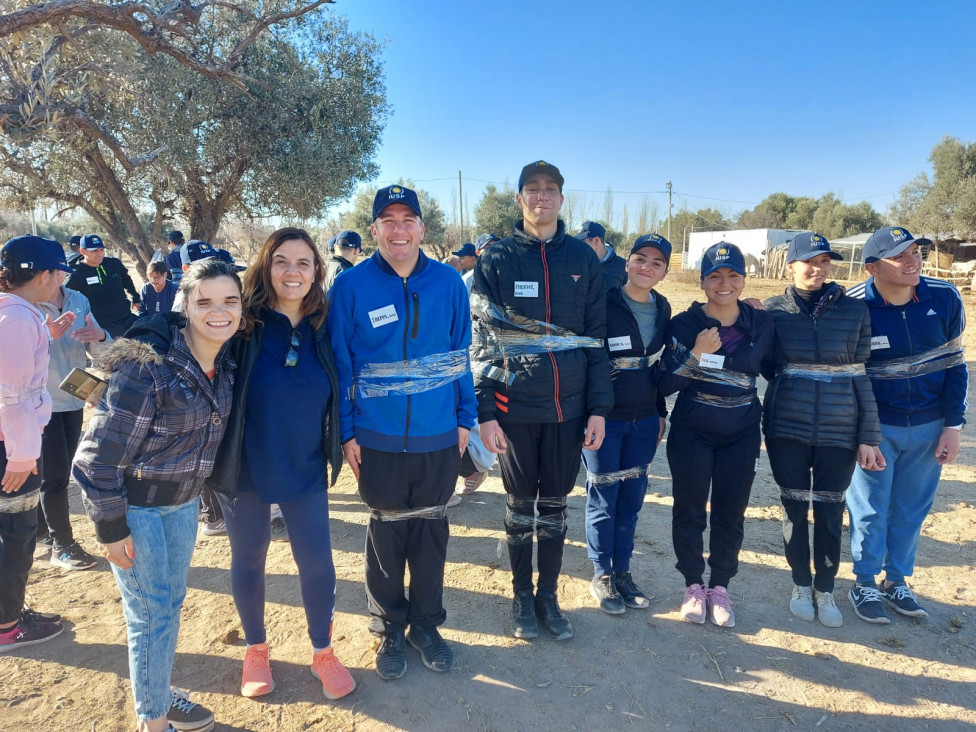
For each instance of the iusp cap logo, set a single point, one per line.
(808, 245)
(653, 240)
(887, 242)
(396, 190)
(395, 194)
(721, 256)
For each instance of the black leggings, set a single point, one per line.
(58, 451)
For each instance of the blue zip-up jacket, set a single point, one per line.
(377, 317)
(932, 318)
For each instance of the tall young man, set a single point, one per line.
(538, 404)
(919, 376)
(400, 329)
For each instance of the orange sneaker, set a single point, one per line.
(256, 680)
(336, 679)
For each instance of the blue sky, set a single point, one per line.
(729, 101)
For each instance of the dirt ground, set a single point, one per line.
(644, 670)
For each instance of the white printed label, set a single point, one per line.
(526, 289)
(92, 280)
(620, 343)
(879, 342)
(383, 316)
(711, 361)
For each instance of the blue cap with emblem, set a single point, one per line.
(888, 241)
(395, 194)
(807, 246)
(722, 255)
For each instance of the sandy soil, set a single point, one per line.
(643, 670)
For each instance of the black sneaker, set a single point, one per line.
(605, 593)
(525, 624)
(186, 716)
(556, 624)
(632, 595)
(867, 604)
(391, 663)
(72, 557)
(901, 597)
(45, 540)
(28, 632)
(434, 652)
(33, 615)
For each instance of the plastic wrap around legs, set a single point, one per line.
(522, 521)
(429, 512)
(607, 478)
(812, 495)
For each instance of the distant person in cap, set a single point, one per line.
(480, 244)
(159, 293)
(405, 318)
(105, 282)
(173, 259)
(614, 266)
(919, 376)
(467, 255)
(718, 350)
(538, 409)
(29, 268)
(616, 474)
(344, 249)
(820, 419)
(195, 250)
(74, 245)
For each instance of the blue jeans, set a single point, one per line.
(152, 596)
(612, 506)
(887, 508)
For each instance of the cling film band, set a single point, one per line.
(689, 367)
(633, 363)
(410, 377)
(928, 362)
(823, 372)
(618, 475)
(428, 512)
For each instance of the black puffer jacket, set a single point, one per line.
(635, 394)
(245, 351)
(754, 356)
(559, 281)
(839, 412)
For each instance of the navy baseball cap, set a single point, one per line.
(34, 253)
(176, 236)
(91, 241)
(540, 167)
(723, 255)
(484, 240)
(591, 229)
(195, 250)
(395, 194)
(888, 241)
(467, 250)
(653, 240)
(75, 241)
(807, 246)
(349, 239)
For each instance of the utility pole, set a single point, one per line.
(460, 210)
(668, 185)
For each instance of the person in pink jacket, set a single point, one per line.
(28, 275)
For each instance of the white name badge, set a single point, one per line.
(711, 361)
(383, 316)
(878, 342)
(526, 289)
(620, 343)
(92, 280)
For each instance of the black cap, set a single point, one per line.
(541, 167)
(176, 236)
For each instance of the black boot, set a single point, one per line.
(524, 622)
(556, 624)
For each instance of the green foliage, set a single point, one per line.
(684, 222)
(497, 211)
(826, 215)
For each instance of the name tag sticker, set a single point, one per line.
(526, 289)
(620, 343)
(383, 316)
(92, 280)
(879, 342)
(711, 361)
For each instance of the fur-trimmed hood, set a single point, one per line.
(146, 342)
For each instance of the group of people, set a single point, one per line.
(554, 347)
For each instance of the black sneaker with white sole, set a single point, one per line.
(72, 557)
(901, 597)
(867, 604)
(186, 716)
(630, 591)
(29, 631)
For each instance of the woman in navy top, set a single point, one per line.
(281, 440)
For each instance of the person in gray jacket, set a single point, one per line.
(820, 418)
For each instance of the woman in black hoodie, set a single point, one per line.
(717, 351)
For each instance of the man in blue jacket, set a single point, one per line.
(919, 376)
(400, 329)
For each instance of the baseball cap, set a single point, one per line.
(592, 229)
(75, 240)
(349, 239)
(91, 241)
(807, 246)
(653, 240)
(176, 236)
(467, 250)
(888, 241)
(395, 194)
(484, 240)
(34, 253)
(723, 255)
(540, 167)
(195, 250)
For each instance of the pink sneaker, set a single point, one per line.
(720, 607)
(336, 679)
(693, 605)
(256, 680)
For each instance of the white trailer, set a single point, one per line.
(754, 243)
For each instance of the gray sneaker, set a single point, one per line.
(185, 716)
(605, 593)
